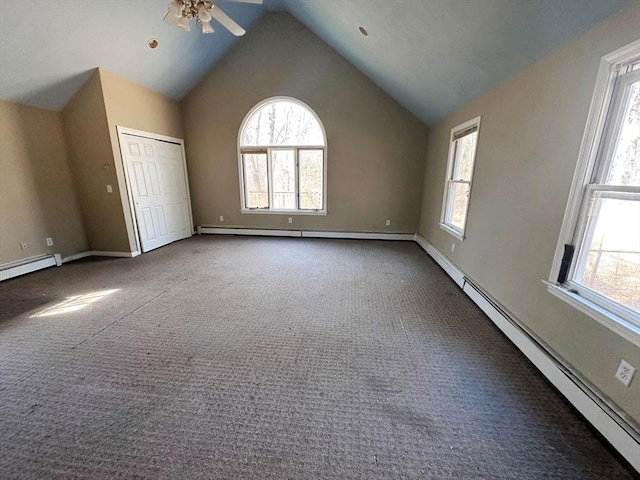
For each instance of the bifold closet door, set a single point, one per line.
(158, 184)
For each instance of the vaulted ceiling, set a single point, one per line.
(431, 55)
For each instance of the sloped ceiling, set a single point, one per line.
(434, 56)
(431, 55)
(49, 47)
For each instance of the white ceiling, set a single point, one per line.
(431, 55)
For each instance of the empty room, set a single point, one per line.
(320, 239)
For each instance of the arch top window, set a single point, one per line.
(281, 122)
(282, 159)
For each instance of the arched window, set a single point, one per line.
(282, 158)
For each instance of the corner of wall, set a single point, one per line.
(38, 199)
(93, 166)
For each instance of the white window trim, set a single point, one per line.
(325, 148)
(587, 158)
(452, 230)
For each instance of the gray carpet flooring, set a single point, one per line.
(273, 358)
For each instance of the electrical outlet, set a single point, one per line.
(290, 220)
(23, 246)
(49, 242)
(453, 247)
(387, 222)
(625, 372)
(221, 218)
(109, 189)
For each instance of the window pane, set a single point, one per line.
(625, 165)
(311, 179)
(457, 200)
(284, 179)
(465, 148)
(255, 180)
(609, 262)
(282, 122)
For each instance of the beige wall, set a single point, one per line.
(375, 147)
(93, 168)
(532, 126)
(37, 196)
(131, 105)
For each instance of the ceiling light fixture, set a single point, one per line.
(180, 12)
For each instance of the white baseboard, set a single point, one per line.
(360, 235)
(584, 399)
(305, 233)
(28, 265)
(99, 253)
(77, 256)
(441, 260)
(249, 231)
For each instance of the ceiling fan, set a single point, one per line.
(180, 12)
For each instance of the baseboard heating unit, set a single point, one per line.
(612, 423)
(28, 265)
(204, 230)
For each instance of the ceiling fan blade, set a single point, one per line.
(171, 19)
(255, 2)
(227, 22)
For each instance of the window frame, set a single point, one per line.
(243, 167)
(268, 149)
(593, 160)
(474, 125)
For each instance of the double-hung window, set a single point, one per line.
(457, 187)
(282, 159)
(597, 264)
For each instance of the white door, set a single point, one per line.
(158, 184)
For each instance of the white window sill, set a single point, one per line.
(452, 231)
(284, 212)
(613, 322)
